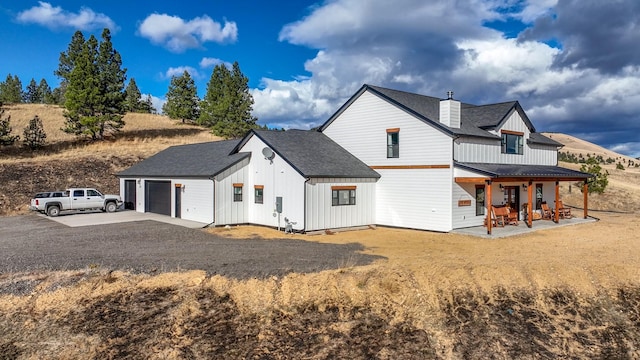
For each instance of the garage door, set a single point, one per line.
(158, 197)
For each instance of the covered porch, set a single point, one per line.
(508, 231)
(507, 185)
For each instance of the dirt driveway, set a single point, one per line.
(31, 242)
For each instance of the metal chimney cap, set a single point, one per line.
(449, 94)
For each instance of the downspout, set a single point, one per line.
(304, 210)
(213, 181)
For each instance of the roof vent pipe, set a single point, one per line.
(449, 95)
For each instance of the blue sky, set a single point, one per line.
(574, 65)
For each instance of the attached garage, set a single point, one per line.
(157, 196)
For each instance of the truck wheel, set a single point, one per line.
(111, 207)
(53, 210)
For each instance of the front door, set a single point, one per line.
(512, 198)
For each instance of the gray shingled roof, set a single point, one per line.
(194, 160)
(537, 138)
(524, 171)
(313, 154)
(475, 120)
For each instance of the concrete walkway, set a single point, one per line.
(512, 230)
(89, 218)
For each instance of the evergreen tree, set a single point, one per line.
(111, 82)
(599, 182)
(132, 97)
(34, 135)
(11, 90)
(94, 98)
(182, 98)
(44, 92)
(147, 106)
(67, 62)
(227, 105)
(57, 95)
(31, 95)
(5, 131)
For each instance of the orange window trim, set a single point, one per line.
(511, 132)
(238, 184)
(258, 186)
(343, 188)
(393, 130)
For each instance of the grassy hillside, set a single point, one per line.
(69, 162)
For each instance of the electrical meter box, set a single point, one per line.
(279, 204)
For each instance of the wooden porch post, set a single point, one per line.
(530, 205)
(585, 194)
(487, 203)
(557, 214)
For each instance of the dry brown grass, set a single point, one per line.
(142, 136)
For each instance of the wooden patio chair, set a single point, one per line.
(498, 216)
(563, 211)
(547, 214)
(512, 216)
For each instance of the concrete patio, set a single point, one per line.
(513, 230)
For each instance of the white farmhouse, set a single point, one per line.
(386, 157)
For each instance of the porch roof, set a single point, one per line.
(507, 172)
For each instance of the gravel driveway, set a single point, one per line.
(31, 242)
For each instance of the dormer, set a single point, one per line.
(450, 111)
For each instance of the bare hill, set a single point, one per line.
(578, 146)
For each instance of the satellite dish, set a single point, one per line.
(268, 153)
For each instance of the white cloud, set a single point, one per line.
(55, 17)
(211, 62)
(440, 45)
(178, 35)
(178, 71)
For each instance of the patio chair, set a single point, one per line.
(498, 216)
(563, 211)
(547, 214)
(512, 216)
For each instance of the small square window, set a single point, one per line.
(237, 192)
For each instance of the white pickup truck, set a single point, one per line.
(53, 202)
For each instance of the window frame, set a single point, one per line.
(481, 210)
(237, 192)
(539, 199)
(336, 198)
(517, 137)
(393, 149)
(258, 199)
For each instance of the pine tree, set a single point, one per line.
(34, 135)
(94, 98)
(11, 90)
(147, 106)
(67, 62)
(182, 98)
(44, 92)
(31, 95)
(227, 105)
(599, 182)
(132, 97)
(5, 131)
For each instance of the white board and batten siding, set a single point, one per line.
(321, 214)
(479, 150)
(228, 211)
(406, 196)
(278, 179)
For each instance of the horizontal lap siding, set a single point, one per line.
(419, 199)
(465, 216)
(321, 214)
